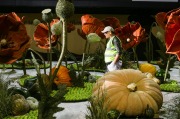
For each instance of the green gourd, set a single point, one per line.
(33, 103)
(19, 105)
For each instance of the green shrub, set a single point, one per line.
(5, 98)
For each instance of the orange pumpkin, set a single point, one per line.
(128, 91)
(147, 67)
(62, 76)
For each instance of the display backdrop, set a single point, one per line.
(93, 6)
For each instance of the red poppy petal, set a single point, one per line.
(14, 16)
(170, 31)
(111, 21)
(41, 34)
(161, 19)
(175, 45)
(70, 27)
(92, 25)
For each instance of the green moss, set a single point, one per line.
(19, 65)
(87, 69)
(171, 86)
(75, 94)
(33, 114)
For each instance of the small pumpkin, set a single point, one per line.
(149, 75)
(33, 103)
(62, 76)
(129, 91)
(19, 105)
(91, 79)
(147, 67)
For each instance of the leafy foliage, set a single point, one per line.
(5, 98)
(96, 109)
(164, 57)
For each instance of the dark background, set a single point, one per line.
(142, 12)
(89, 6)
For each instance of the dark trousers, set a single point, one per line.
(106, 66)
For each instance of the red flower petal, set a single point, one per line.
(173, 33)
(41, 35)
(14, 32)
(91, 24)
(112, 21)
(134, 32)
(161, 19)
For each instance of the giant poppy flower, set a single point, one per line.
(14, 40)
(112, 21)
(131, 35)
(41, 34)
(70, 27)
(172, 31)
(90, 24)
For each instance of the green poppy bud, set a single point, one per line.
(36, 22)
(93, 37)
(56, 28)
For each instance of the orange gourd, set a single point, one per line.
(62, 76)
(128, 91)
(147, 67)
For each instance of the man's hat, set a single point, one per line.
(107, 28)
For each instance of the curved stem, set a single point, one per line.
(64, 39)
(85, 48)
(167, 67)
(136, 57)
(24, 62)
(50, 49)
(40, 58)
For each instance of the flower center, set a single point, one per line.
(3, 43)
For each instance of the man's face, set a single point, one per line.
(107, 34)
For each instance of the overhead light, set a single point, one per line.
(155, 0)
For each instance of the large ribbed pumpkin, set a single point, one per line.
(129, 91)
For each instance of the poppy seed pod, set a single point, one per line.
(47, 15)
(64, 9)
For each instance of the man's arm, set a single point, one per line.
(117, 44)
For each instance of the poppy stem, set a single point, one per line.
(50, 49)
(41, 59)
(85, 46)
(24, 62)
(135, 55)
(167, 68)
(64, 39)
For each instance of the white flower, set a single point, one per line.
(93, 37)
